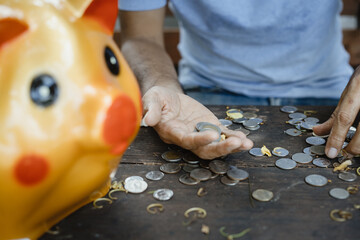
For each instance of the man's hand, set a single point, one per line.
(342, 119)
(174, 116)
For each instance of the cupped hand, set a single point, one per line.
(175, 115)
(342, 119)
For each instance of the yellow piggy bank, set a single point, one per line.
(69, 108)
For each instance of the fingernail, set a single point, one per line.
(143, 123)
(332, 153)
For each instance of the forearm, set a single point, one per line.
(151, 65)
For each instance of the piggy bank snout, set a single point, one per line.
(120, 123)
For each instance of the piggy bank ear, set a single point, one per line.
(10, 29)
(102, 11)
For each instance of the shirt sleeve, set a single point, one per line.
(140, 5)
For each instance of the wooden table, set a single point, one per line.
(297, 211)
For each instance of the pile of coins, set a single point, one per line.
(249, 120)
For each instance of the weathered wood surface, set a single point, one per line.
(298, 211)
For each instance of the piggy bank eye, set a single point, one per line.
(44, 90)
(111, 61)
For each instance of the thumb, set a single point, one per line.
(152, 110)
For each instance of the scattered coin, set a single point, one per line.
(135, 185)
(308, 125)
(205, 164)
(154, 175)
(249, 115)
(200, 174)
(347, 176)
(237, 174)
(339, 193)
(318, 150)
(285, 163)
(351, 133)
(219, 167)
(187, 180)
(257, 120)
(170, 168)
(311, 119)
(295, 121)
(227, 181)
(256, 152)
(262, 195)
(316, 180)
(280, 152)
(251, 123)
(225, 122)
(172, 156)
(239, 120)
(253, 128)
(288, 109)
(301, 157)
(189, 167)
(315, 141)
(297, 115)
(243, 130)
(321, 162)
(293, 132)
(163, 194)
(234, 113)
(191, 158)
(307, 151)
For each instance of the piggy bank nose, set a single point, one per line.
(120, 124)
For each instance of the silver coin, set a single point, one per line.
(318, 150)
(200, 125)
(170, 168)
(321, 162)
(131, 178)
(316, 180)
(253, 128)
(219, 167)
(187, 180)
(295, 121)
(297, 115)
(214, 175)
(189, 167)
(211, 127)
(135, 185)
(191, 158)
(243, 130)
(280, 152)
(350, 134)
(163, 194)
(154, 175)
(288, 109)
(262, 195)
(293, 132)
(256, 152)
(285, 163)
(307, 151)
(258, 120)
(315, 141)
(237, 174)
(227, 181)
(200, 174)
(251, 123)
(205, 164)
(311, 119)
(249, 115)
(339, 193)
(347, 176)
(345, 144)
(308, 125)
(225, 122)
(172, 156)
(239, 120)
(301, 157)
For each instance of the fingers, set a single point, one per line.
(152, 110)
(354, 145)
(325, 128)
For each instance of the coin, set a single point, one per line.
(280, 152)
(163, 194)
(225, 122)
(154, 175)
(339, 193)
(262, 195)
(131, 178)
(293, 132)
(321, 162)
(191, 158)
(315, 141)
(288, 109)
(285, 163)
(200, 174)
(350, 134)
(205, 164)
(187, 180)
(307, 151)
(256, 152)
(205, 126)
(347, 176)
(237, 174)
(135, 185)
(234, 113)
(172, 156)
(301, 158)
(227, 181)
(318, 150)
(295, 121)
(258, 120)
(308, 125)
(249, 115)
(239, 120)
(316, 180)
(243, 130)
(170, 168)
(253, 128)
(297, 115)
(345, 144)
(311, 119)
(218, 166)
(251, 123)
(189, 167)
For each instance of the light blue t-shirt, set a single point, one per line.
(274, 48)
